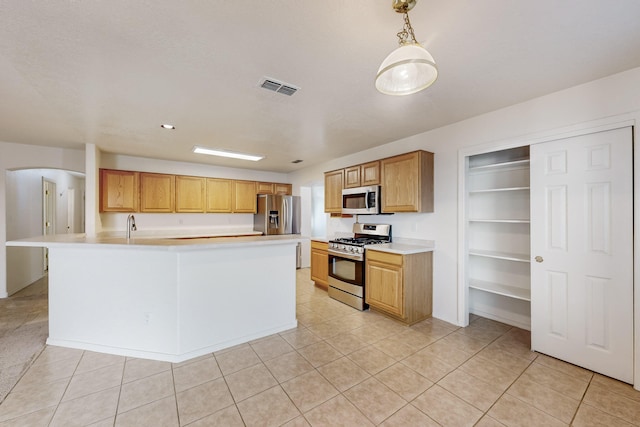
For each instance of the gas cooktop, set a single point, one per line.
(364, 234)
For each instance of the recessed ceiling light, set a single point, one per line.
(224, 153)
(167, 126)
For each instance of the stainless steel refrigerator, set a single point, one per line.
(278, 215)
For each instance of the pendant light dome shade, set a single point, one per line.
(408, 69)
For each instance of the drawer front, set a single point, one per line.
(323, 246)
(385, 257)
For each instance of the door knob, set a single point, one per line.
(539, 258)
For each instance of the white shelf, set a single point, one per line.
(493, 190)
(506, 221)
(507, 256)
(500, 289)
(495, 166)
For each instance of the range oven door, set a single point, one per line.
(346, 280)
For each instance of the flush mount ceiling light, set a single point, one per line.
(409, 68)
(224, 153)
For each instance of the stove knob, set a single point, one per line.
(360, 250)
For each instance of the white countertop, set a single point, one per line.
(169, 244)
(403, 248)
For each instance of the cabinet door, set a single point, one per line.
(283, 189)
(119, 191)
(385, 287)
(265, 187)
(370, 174)
(333, 182)
(190, 194)
(407, 182)
(352, 177)
(320, 263)
(157, 193)
(244, 197)
(219, 195)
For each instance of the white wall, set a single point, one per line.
(21, 156)
(611, 96)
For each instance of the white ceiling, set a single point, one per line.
(110, 72)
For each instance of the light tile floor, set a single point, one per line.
(339, 367)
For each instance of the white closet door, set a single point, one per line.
(582, 250)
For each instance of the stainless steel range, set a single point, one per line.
(346, 263)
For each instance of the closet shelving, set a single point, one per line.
(498, 254)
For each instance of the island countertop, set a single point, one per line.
(157, 243)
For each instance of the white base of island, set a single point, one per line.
(169, 304)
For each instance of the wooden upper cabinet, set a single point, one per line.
(244, 197)
(333, 184)
(352, 177)
(119, 191)
(265, 188)
(157, 192)
(370, 173)
(190, 193)
(283, 189)
(362, 175)
(407, 182)
(273, 188)
(219, 195)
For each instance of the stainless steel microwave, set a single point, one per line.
(361, 200)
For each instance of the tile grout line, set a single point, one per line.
(175, 393)
(65, 390)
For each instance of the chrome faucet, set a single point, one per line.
(131, 225)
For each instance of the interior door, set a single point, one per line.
(48, 214)
(582, 250)
(71, 210)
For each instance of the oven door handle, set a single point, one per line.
(355, 257)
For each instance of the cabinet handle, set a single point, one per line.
(539, 258)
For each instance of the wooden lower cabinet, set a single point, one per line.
(320, 263)
(400, 286)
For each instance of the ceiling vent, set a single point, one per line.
(276, 86)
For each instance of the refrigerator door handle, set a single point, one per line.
(285, 214)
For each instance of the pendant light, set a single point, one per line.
(409, 68)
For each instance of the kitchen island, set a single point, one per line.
(168, 299)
